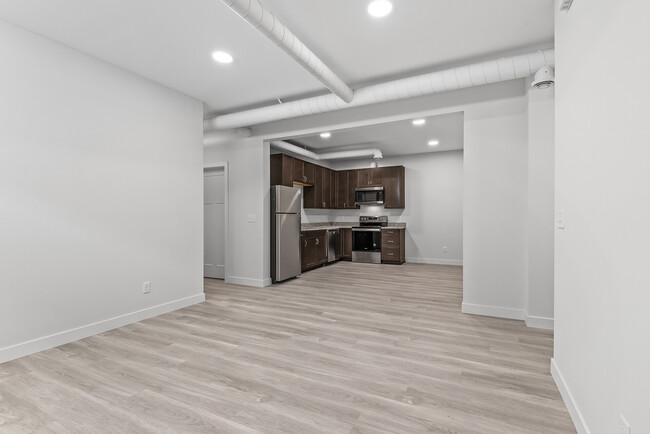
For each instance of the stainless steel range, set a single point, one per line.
(366, 239)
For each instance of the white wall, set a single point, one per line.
(101, 190)
(248, 249)
(541, 197)
(495, 209)
(434, 206)
(602, 283)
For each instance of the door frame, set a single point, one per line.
(224, 166)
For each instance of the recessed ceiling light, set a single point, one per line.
(418, 122)
(325, 135)
(380, 8)
(222, 57)
(433, 143)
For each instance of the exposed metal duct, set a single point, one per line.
(477, 74)
(286, 146)
(222, 136)
(266, 23)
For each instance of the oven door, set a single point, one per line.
(366, 245)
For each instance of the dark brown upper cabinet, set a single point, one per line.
(303, 172)
(370, 177)
(326, 187)
(282, 170)
(393, 182)
(341, 177)
(334, 189)
(298, 175)
(346, 183)
(353, 182)
(320, 195)
(309, 172)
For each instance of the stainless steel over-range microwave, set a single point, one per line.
(369, 196)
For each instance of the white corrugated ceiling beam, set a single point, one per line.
(266, 23)
(477, 74)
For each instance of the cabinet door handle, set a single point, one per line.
(344, 203)
(389, 254)
(323, 204)
(305, 243)
(317, 241)
(390, 241)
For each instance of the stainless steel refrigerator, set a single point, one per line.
(285, 232)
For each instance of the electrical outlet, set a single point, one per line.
(252, 218)
(625, 426)
(444, 249)
(146, 287)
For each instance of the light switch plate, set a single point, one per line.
(146, 287)
(559, 219)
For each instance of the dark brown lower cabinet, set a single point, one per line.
(313, 247)
(346, 244)
(393, 248)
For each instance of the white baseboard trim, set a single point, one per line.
(34, 346)
(496, 311)
(567, 397)
(258, 283)
(435, 261)
(538, 322)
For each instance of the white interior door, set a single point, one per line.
(214, 249)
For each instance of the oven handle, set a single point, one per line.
(366, 229)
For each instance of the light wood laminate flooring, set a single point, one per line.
(347, 348)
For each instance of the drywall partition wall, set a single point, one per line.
(494, 183)
(495, 209)
(248, 183)
(541, 157)
(602, 283)
(101, 190)
(434, 206)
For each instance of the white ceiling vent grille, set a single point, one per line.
(565, 5)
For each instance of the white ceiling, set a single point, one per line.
(170, 41)
(393, 138)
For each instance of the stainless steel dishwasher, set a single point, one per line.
(333, 245)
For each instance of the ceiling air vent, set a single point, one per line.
(565, 5)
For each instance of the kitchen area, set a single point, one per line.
(298, 185)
